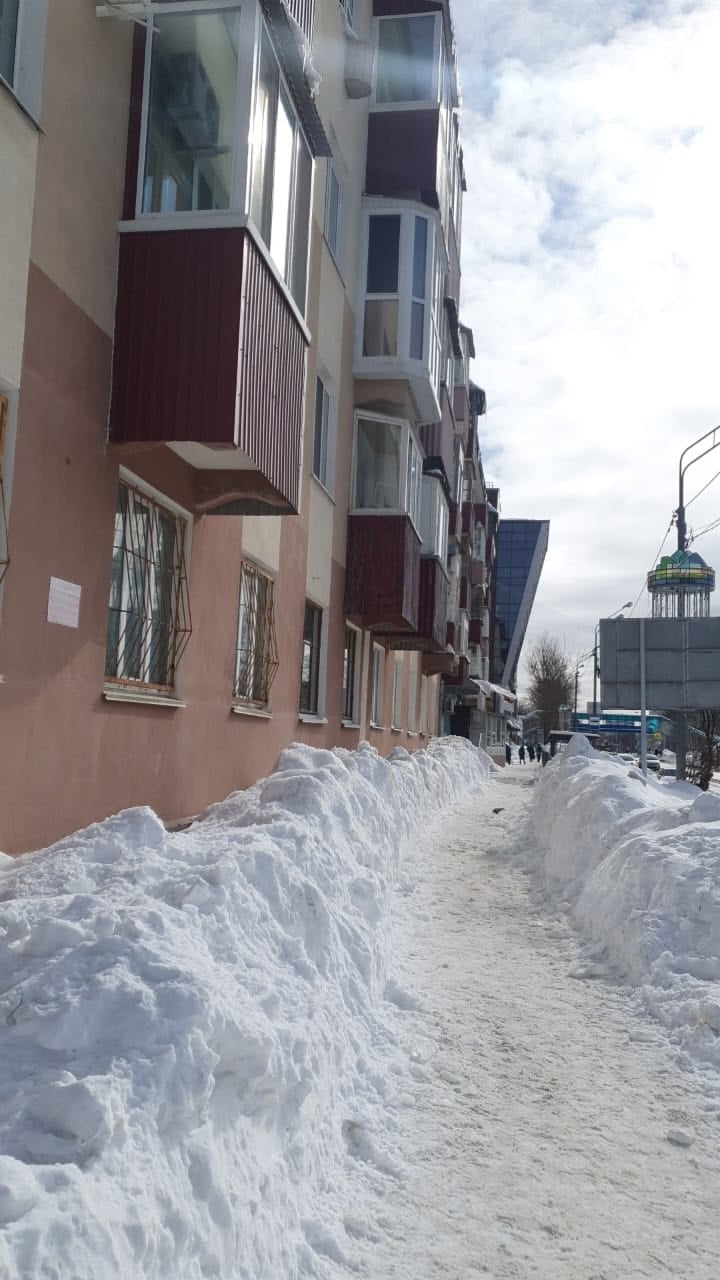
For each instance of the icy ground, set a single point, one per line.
(411, 1018)
(536, 1137)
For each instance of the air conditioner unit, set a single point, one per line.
(191, 101)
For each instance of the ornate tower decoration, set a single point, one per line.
(680, 586)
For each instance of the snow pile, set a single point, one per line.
(636, 864)
(188, 1019)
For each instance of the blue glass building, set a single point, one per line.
(521, 548)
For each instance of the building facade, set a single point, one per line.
(521, 549)
(241, 472)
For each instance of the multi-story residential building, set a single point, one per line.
(237, 390)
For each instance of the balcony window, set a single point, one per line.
(9, 10)
(149, 610)
(407, 59)
(402, 284)
(434, 519)
(256, 661)
(310, 668)
(191, 111)
(281, 175)
(388, 467)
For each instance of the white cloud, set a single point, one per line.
(591, 258)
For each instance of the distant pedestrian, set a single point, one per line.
(508, 753)
(521, 752)
(531, 751)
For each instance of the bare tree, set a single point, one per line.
(551, 681)
(703, 760)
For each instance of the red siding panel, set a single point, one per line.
(382, 582)
(433, 607)
(207, 349)
(402, 152)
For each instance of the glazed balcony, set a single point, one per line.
(467, 518)
(399, 339)
(382, 579)
(477, 573)
(433, 606)
(209, 360)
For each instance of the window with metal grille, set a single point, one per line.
(256, 661)
(149, 612)
(310, 670)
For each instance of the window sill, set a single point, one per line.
(148, 699)
(257, 713)
(323, 487)
(411, 733)
(349, 724)
(306, 718)
(394, 729)
(380, 727)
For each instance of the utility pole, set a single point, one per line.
(714, 437)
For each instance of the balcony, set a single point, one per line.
(477, 573)
(467, 517)
(382, 579)
(476, 633)
(464, 593)
(399, 339)
(209, 360)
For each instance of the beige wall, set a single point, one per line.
(81, 159)
(18, 148)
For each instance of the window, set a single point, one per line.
(4, 550)
(402, 287)
(310, 669)
(323, 460)
(281, 176)
(347, 8)
(149, 610)
(407, 60)
(378, 685)
(423, 704)
(256, 660)
(434, 519)
(412, 692)
(350, 675)
(388, 467)
(397, 692)
(9, 10)
(333, 210)
(190, 113)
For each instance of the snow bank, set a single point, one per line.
(637, 865)
(187, 1020)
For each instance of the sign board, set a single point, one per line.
(682, 663)
(64, 602)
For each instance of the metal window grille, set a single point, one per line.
(310, 669)
(349, 670)
(149, 621)
(257, 654)
(4, 551)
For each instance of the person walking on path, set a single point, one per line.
(521, 752)
(508, 753)
(531, 751)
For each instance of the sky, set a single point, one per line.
(591, 261)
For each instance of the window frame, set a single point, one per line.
(410, 451)
(435, 519)
(134, 684)
(316, 653)
(412, 104)
(377, 689)
(413, 669)
(430, 361)
(328, 429)
(334, 244)
(423, 705)
(250, 568)
(350, 692)
(397, 693)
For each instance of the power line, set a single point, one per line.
(705, 486)
(653, 564)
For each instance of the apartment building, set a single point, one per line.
(240, 431)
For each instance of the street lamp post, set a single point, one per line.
(578, 669)
(596, 665)
(714, 437)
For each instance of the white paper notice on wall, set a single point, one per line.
(64, 602)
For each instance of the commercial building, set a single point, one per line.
(240, 463)
(521, 550)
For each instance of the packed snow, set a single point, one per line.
(330, 1030)
(635, 862)
(188, 1022)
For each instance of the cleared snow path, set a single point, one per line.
(534, 1141)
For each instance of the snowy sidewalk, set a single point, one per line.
(534, 1142)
